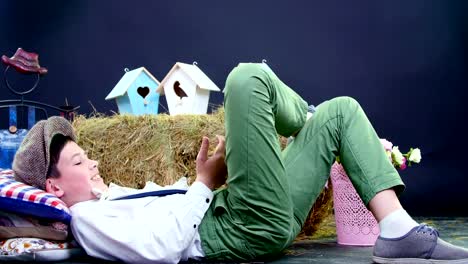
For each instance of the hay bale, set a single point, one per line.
(132, 150)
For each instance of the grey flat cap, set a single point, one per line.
(32, 159)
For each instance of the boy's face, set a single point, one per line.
(78, 176)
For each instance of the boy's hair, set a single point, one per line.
(56, 146)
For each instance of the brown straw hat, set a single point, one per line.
(32, 159)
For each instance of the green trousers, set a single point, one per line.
(269, 192)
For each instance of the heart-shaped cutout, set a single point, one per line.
(143, 91)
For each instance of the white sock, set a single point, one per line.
(396, 224)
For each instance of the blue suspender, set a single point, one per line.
(152, 193)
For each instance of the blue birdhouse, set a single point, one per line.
(136, 93)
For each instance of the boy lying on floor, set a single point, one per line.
(269, 192)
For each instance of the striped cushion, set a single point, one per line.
(17, 197)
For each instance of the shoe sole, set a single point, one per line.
(417, 261)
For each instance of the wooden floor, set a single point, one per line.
(325, 249)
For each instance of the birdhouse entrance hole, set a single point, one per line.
(179, 91)
(143, 91)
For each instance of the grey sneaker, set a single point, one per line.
(420, 245)
(311, 109)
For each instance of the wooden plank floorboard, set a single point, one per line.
(326, 250)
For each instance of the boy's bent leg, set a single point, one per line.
(339, 127)
(253, 216)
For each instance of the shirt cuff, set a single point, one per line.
(201, 196)
(200, 189)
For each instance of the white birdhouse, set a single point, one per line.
(187, 89)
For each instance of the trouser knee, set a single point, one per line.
(243, 72)
(345, 104)
(249, 69)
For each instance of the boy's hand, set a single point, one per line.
(212, 171)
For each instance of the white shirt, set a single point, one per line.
(143, 230)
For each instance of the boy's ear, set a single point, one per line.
(53, 188)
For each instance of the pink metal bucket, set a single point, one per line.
(355, 225)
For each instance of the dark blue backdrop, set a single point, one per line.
(404, 61)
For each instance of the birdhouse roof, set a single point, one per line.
(194, 73)
(128, 78)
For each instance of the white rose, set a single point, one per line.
(397, 156)
(415, 155)
(389, 154)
